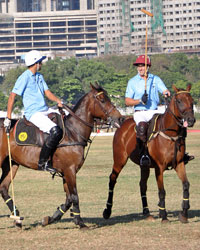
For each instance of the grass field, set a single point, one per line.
(37, 195)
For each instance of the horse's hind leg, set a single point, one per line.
(5, 183)
(181, 172)
(145, 171)
(112, 181)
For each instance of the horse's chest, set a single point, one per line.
(166, 152)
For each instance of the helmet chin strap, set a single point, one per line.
(38, 66)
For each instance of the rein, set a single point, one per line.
(85, 141)
(178, 122)
(77, 117)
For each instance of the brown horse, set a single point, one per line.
(166, 148)
(69, 156)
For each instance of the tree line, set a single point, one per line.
(70, 78)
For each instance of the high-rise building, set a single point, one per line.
(56, 27)
(97, 27)
(175, 26)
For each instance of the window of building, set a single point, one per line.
(75, 36)
(58, 37)
(90, 22)
(23, 38)
(60, 23)
(58, 30)
(25, 45)
(58, 44)
(40, 24)
(75, 29)
(22, 25)
(40, 31)
(6, 25)
(41, 44)
(24, 31)
(40, 37)
(75, 23)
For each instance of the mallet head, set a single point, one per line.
(147, 12)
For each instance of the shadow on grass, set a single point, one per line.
(99, 222)
(192, 214)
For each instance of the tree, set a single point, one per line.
(195, 92)
(10, 79)
(3, 101)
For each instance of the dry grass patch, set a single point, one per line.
(38, 196)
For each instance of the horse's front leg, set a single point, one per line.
(145, 171)
(161, 194)
(181, 172)
(61, 210)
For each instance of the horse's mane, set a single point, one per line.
(97, 88)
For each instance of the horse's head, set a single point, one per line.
(183, 106)
(102, 106)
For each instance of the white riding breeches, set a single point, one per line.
(145, 115)
(41, 120)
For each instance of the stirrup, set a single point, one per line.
(47, 166)
(187, 158)
(145, 161)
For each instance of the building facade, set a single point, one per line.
(175, 26)
(55, 27)
(97, 27)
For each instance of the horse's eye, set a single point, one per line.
(102, 100)
(178, 101)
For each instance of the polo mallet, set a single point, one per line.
(14, 216)
(151, 15)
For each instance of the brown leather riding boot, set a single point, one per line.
(141, 141)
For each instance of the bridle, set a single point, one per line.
(179, 121)
(101, 105)
(96, 100)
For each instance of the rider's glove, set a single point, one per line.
(144, 99)
(7, 124)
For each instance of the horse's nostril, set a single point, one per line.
(191, 121)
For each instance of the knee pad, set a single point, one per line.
(142, 131)
(55, 136)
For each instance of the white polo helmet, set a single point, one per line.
(32, 57)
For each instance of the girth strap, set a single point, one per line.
(175, 138)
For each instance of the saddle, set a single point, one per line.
(27, 134)
(151, 127)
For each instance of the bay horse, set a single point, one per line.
(69, 155)
(166, 148)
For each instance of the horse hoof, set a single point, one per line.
(106, 214)
(182, 218)
(45, 221)
(149, 218)
(84, 227)
(18, 224)
(165, 221)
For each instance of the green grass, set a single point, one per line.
(37, 195)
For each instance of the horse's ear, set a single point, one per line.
(96, 85)
(189, 87)
(92, 86)
(174, 88)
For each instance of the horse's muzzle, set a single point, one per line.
(190, 121)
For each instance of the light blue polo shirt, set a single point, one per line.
(136, 87)
(31, 87)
